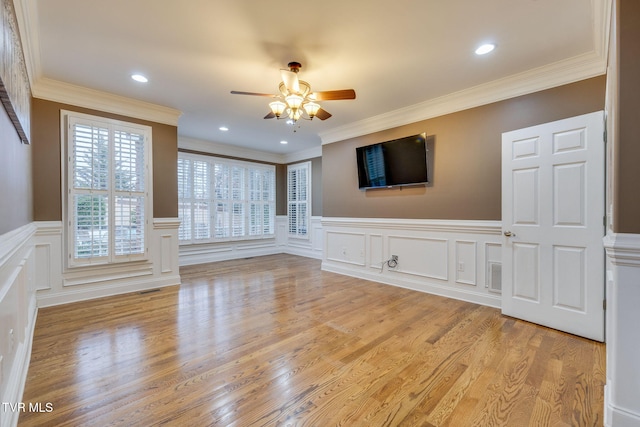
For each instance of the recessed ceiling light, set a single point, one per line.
(223, 128)
(139, 78)
(283, 142)
(485, 48)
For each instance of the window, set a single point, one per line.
(108, 182)
(298, 198)
(221, 199)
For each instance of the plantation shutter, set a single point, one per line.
(223, 199)
(107, 181)
(89, 192)
(298, 190)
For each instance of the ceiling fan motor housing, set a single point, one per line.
(294, 66)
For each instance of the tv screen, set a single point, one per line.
(393, 163)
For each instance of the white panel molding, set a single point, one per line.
(282, 222)
(347, 247)
(18, 311)
(311, 247)
(43, 275)
(280, 243)
(214, 252)
(379, 235)
(48, 244)
(376, 250)
(91, 282)
(622, 407)
(12, 241)
(66, 93)
(466, 262)
(421, 263)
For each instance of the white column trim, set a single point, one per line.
(622, 407)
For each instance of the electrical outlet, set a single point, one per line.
(11, 340)
(460, 266)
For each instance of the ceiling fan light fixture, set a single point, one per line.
(277, 107)
(311, 108)
(295, 114)
(294, 101)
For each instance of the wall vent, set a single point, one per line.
(494, 277)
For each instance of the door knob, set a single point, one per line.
(509, 234)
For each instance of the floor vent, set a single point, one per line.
(148, 291)
(495, 277)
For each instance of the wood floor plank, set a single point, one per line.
(274, 340)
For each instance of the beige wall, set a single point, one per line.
(16, 201)
(46, 161)
(626, 196)
(465, 158)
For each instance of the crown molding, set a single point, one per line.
(66, 93)
(563, 72)
(602, 11)
(211, 147)
(27, 17)
(310, 153)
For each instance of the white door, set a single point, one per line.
(552, 222)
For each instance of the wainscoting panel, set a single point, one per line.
(281, 243)
(57, 286)
(466, 264)
(448, 258)
(345, 247)
(311, 247)
(18, 312)
(376, 251)
(420, 256)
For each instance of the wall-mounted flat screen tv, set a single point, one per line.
(393, 163)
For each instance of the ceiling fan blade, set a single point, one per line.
(335, 95)
(323, 114)
(270, 115)
(270, 95)
(290, 80)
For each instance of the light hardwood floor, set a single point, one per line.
(275, 341)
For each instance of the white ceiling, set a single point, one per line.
(395, 54)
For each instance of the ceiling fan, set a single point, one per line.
(296, 101)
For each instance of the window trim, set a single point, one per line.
(247, 167)
(70, 262)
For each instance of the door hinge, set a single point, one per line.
(604, 304)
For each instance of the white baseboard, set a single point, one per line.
(202, 254)
(85, 293)
(491, 300)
